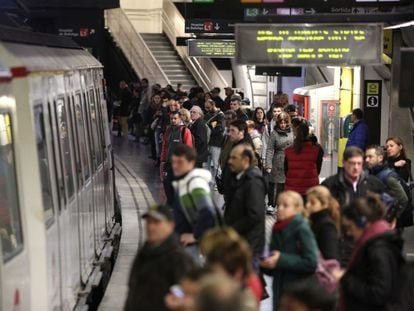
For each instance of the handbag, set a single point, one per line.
(324, 273)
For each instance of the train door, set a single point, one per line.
(329, 129)
(98, 186)
(68, 212)
(106, 185)
(47, 169)
(86, 212)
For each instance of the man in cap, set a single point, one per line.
(235, 105)
(158, 265)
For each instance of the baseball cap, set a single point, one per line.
(159, 212)
(235, 97)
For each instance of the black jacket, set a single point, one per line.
(245, 209)
(126, 101)
(326, 234)
(371, 281)
(154, 271)
(342, 190)
(403, 171)
(199, 131)
(217, 131)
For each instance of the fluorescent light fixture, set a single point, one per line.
(403, 25)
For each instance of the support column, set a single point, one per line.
(345, 105)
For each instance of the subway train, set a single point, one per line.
(57, 223)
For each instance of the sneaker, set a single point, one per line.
(270, 210)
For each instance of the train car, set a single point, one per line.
(56, 182)
(320, 105)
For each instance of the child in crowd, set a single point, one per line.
(324, 217)
(293, 250)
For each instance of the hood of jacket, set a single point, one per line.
(197, 177)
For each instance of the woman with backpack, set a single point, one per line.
(372, 274)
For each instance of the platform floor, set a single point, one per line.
(139, 186)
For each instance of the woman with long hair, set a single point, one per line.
(303, 161)
(280, 139)
(397, 157)
(324, 217)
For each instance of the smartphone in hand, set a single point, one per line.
(177, 291)
(265, 255)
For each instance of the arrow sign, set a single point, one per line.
(310, 11)
(216, 26)
(265, 12)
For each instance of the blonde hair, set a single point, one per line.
(323, 195)
(296, 198)
(185, 115)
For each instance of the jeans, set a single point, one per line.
(213, 163)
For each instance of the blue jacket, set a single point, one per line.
(358, 137)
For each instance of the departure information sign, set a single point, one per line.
(308, 44)
(212, 48)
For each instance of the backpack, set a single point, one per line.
(182, 135)
(208, 130)
(406, 215)
(191, 216)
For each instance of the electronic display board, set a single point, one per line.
(212, 48)
(308, 44)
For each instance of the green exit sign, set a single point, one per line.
(203, 1)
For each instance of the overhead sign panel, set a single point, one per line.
(209, 26)
(212, 48)
(308, 44)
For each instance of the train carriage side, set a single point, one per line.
(68, 149)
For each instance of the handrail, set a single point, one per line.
(134, 47)
(203, 69)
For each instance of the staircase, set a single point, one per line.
(169, 61)
(259, 88)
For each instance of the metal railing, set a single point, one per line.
(134, 47)
(203, 69)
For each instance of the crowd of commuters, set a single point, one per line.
(199, 256)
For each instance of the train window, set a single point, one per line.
(95, 131)
(101, 122)
(88, 130)
(74, 135)
(10, 222)
(65, 157)
(44, 164)
(81, 137)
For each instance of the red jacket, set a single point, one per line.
(185, 137)
(303, 168)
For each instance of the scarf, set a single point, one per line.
(282, 131)
(282, 224)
